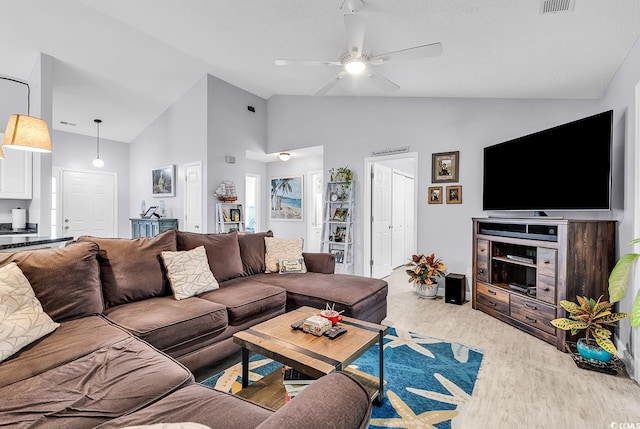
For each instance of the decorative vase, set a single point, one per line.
(426, 291)
(591, 350)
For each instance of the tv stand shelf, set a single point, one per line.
(556, 259)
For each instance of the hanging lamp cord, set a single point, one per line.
(28, 91)
(97, 121)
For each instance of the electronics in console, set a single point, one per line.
(519, 230)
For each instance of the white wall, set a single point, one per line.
(76, 152)
(350, 128)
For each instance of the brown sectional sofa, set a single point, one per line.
(126, 351)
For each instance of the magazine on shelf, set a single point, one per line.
(292, 376)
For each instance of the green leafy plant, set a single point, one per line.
(619, 281)
(341, 174)
(590, 316)
(425, 269)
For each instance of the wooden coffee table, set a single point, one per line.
(312, 355)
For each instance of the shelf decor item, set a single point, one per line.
(424, 272)
(593, 317)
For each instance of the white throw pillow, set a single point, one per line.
(280, 248)
(189, 272)
(22, 319)
(291, 266)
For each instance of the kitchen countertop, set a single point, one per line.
(8, 242)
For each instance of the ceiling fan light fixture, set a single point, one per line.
(355, 67)
(284, 156)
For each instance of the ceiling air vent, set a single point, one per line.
(556, 6)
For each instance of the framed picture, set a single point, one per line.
(163, 181)
(150, 212)
(435, 194)
(286, 198)
(445, 167)
(234, 214)
(454, 194)
(340, 214)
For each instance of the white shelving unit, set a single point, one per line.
(337, 227)
(229, 217)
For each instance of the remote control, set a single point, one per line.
(335, 332)
(298, 324)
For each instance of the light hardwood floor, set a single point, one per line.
(523, 382)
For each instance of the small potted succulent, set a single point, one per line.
(424, 272)
(593, 317)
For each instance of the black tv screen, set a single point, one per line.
(567, 167)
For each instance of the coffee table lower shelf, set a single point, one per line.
(270, 392)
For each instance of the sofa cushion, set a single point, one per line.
(131, 269)
(353, 294)
(280, 248)
(106, 383)
(252, 252)
(65, 280)
(22, 320)
(198, 404)
(72, 340)
(223, 252)
(246, 299)
(165, 322)
(189, 273)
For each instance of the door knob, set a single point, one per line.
(66, 227)
(66, 220)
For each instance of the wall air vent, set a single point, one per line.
(556, 6)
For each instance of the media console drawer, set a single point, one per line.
(493, 297)
(533, 313)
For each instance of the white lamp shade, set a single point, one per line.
(1, 153)
(27, 133)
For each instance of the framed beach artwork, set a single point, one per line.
(163, 181)
(286, 198)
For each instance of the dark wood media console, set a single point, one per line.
(523, 268)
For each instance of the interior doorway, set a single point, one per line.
(313, 243)
(387, 211)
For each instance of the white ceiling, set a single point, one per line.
(126, 61)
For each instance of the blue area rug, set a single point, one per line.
(428, 381)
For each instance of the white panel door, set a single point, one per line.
(193, 198)
(381, 222)
(398, 256)
(410, 238)
(88, 204)
(314, 233)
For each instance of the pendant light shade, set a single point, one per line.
(98, 162)
(1, 153)
(27, 132)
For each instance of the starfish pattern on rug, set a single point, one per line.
(228, 381)
(410, 420)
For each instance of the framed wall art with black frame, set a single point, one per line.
(445, 167)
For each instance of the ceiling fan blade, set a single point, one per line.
(306, 63)
(423, 51)
(382, 82)
(330, 84)
(354, 27)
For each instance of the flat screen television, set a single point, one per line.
(564, 168)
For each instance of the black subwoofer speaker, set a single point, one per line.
(454, 288)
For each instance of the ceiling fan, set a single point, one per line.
(355, 62)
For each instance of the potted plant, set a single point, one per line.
(619, 281)
(341, 174)
(424, 272)
(593, 317)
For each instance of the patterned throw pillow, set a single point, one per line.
(22, 320)
(280, 248)
(290, 266)
(189, 273)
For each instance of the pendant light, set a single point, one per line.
(27, 132)
(98, 162)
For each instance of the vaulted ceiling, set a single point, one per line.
(126, 61)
